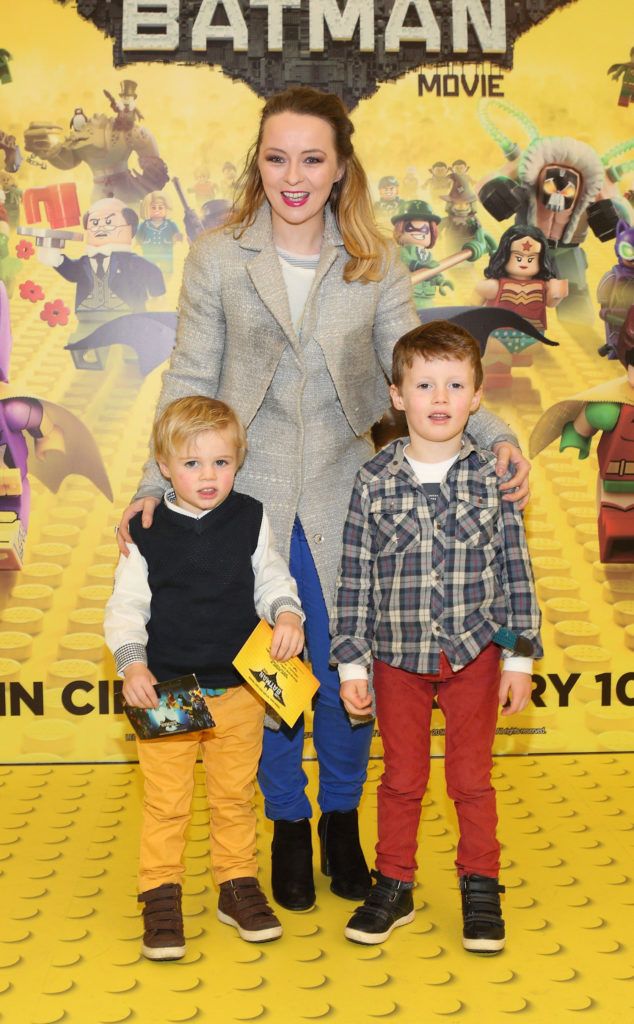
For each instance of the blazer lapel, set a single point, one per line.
(326, 260)
(266, 274)
(331, 247)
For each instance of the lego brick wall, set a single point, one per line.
(58, 688)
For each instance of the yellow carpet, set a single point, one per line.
(71, 930)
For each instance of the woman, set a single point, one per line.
(290, 315)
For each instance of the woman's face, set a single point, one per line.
(298, 164)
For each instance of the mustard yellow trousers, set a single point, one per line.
(230, 753)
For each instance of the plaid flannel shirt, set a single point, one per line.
(412, 584)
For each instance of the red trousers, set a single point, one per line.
(469, 702)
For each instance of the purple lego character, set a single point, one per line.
(615, 293)
(62, 445)
(17, 416)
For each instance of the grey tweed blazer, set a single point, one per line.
(307, 399)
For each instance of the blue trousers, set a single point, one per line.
(342, 751)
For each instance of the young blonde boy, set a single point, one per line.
(194, 586)
(434, 563)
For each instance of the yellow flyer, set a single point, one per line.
(288, 686)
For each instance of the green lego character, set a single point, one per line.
(416, 232)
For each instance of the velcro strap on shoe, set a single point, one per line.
(162, 919)
(481, 914)
(253, 902)
(482, 885)
(375, 904)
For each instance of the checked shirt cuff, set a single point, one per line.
(128, 654)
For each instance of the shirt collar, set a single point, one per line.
(467, 448)
(170, 500)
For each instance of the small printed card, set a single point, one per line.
(288, 686)
(182, 708)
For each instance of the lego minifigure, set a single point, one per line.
(461, 222)
(415, 233)
(111, 279)
(125, 107)
(626, 96)
(5, 74)
(461, 167)
(521, 276)
(229, 181)
(439, 180)
(615, 292)
(608, 408)
(62, 445)
(156, 234)
(388, 201)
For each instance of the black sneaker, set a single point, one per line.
(483, 926)
(387, 906)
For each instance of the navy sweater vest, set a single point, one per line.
(202, 583)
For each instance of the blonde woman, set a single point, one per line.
(290, 314)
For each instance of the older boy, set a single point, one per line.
(191, 591)
(433, 564)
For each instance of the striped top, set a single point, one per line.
(298, 271)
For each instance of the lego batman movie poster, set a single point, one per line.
(498, 139)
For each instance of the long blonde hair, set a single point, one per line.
(349, 199)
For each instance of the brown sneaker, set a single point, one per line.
(163, 937)
(243, 905)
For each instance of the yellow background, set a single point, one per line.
(201, 119)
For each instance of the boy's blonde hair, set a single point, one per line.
(439, 339)
(184, 418)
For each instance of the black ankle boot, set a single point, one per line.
(292, 865)
(342, 858)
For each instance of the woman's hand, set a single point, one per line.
(144, 505)
(517, 486)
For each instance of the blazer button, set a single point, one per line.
(318, 538)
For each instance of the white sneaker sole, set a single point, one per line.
(163, 952)
(483, 945)
(261, 935)
(373, 939)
